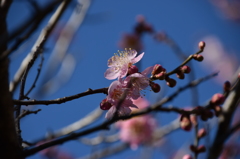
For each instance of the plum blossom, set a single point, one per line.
(137, 130)
(139, 81)
(115, 93)
(120, 63)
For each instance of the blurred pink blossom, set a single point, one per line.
(219, 59)
(120, 63)
(230, 8)
(137, 130)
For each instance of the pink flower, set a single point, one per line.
(139, 81)
(120, 63)
(115, 93)
(138, 130)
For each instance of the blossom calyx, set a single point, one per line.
(105, 105)
(132, 69)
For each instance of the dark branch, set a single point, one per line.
(62, 100)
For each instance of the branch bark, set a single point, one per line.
(9, 146)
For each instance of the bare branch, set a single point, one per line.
(62, 100)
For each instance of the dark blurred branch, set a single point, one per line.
(222, 133)
(31, 25)
(105, 125)
(27, 112)
(9, 146)
(39, 44)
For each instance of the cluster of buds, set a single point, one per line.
(217, 100)
(160, 73)
(183, 70)
(201, 46)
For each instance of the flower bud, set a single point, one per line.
(217, 110)
(160, 76)
(227, 86)
(199, 58)
(201, 148)
(180, 75)
(132, 69)
(157, 69)
(201, 45)
(105, 105)
(185, 69)
(171, 82)
(193, 148)
(185, 122)
(201, 133)
(217, 99)
(155, 87)
(187, 157)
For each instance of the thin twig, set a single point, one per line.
(37, 76)
(105, 125)
(27, 112)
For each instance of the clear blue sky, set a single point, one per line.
(186, 21)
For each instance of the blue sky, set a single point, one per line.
(186, 21)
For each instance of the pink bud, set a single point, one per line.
(201, 148)
(155, 87)
(157, 69)
(227, 86)
(193, 148)
(201, 45)
(187, 157)
(171, 82)
(199, 58)
(180, 75)
(185, 123)
(160, 76)
(132, 69)
(105, 105)
(201, 133)
(217, 99)
(185, 69)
